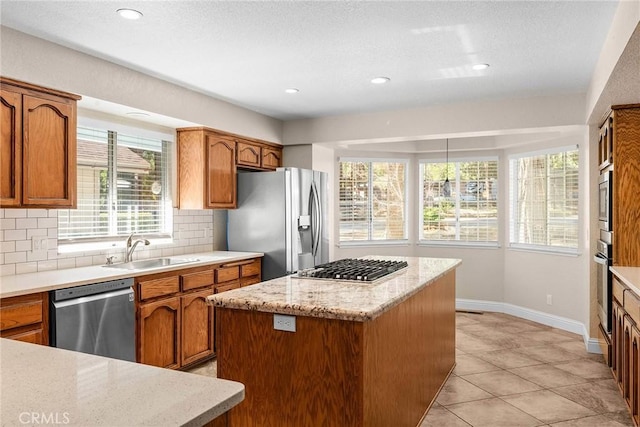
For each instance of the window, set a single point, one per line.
(470, 212)
(373, 200)
(544, 200)
(123, 187)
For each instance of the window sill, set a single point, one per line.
(545, 250)
(373, 243)
(462, 245)
(93, 245)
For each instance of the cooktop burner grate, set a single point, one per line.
(352, 269)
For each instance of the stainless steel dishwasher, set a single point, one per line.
(95, 319)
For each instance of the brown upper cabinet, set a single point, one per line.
(206, 169)
(207, 164)
(622, 130)
(257, 155)
(37, 146)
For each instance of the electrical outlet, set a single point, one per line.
(549, 299)
(39, 243)
(283, 322)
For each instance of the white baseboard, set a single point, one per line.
(570, 325)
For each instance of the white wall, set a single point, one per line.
(37, 61)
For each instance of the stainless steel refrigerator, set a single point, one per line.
(282, 214)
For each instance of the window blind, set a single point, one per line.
(372, 200)
(470, 212)
(544, 199)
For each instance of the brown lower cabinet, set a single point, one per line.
(25, 318)
(175, 325)
(625, 342)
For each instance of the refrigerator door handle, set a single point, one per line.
(316, 230)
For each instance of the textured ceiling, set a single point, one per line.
(248, 53)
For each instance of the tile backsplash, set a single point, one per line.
(193, 232)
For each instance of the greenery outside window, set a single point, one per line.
(470, 213)
(123, 187)
(544, 200)
(373, 202)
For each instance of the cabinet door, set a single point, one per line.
(221, 172)
(159, 333)
(197, 326)
(248, 154)
(634, 376)
(33, 336)
(617, 338)
(49, 152)
(628, 325)
(10, 147)
(271, 158)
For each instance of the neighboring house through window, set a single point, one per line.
(123, 187)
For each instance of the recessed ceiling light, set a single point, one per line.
(380, 80)
(292, 90)
(479, 67)
(129, 14)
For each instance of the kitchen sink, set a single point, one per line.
(145, 264)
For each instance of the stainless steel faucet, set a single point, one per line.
(128, 253)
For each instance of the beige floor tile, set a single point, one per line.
(467, 364)
(595, 421)
(575, 346)
(600, 396)
(621, 417)
(586, 368)
(441, 417)
(209, 369)
(501, 383)
(547, 376)
(471, 344)
(457, 390)
(493, 413)
(507, 359)
(548, 336)
(548, 353)
(548, 406)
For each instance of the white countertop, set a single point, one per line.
(630, 276)
(78, 389)
(334, 299)
(21, 284)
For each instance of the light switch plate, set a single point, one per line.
(282, 322)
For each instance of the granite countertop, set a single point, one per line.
(78, 389)
(630, 276)
(22, 284)
(333, 299)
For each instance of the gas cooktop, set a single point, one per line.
(351, 269)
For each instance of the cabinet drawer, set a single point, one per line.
(632, 306)
(226, 274)
(21, 311)
(159, 287)
(196, 280)
(223, 288)
(618, 291)
(252, 269)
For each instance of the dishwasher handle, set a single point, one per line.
(95, 297)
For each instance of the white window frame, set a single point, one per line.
(456, 243)
(370, 242)
(561, 250)
(91, 243)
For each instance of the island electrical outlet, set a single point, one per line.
(283, 322)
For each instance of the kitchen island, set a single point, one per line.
(362, 354)
(46, 385)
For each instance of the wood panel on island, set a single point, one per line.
(25, 318)
(207, 165)
(175, 324)
(37, 146)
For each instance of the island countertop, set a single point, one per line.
(335, 299)
(58, 386)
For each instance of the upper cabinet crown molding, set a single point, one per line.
(37, 146)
